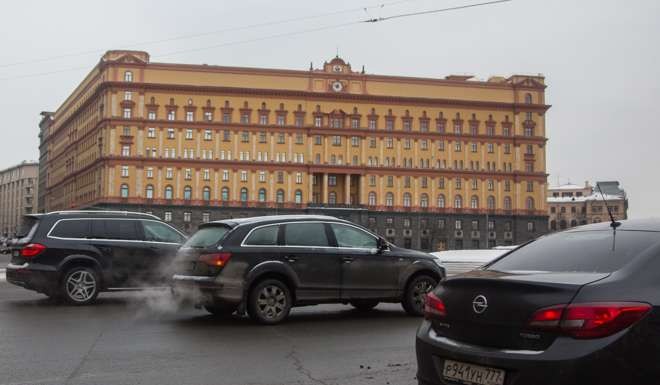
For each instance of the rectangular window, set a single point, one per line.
(170, 133)
(151, 132)
(355, 141)
(208, 135)
(457, 146)
(300, 121)
(169, 173)
(208, 116)
(128, 95)
(281, 120)
(245, 137)
(226, 135)
(372, 124)
(263, 119)
(150, 172)
(389, 124)
(280, 177)
(189, 134)
(491, 148)
(318, 121)
(245, 118)
(168, 216)
(225, 175)
(151, 115)
(171, 115)
(299, 178)
(332, 180)
(126, 150)
(206, 217)
(262, 176)
(336, 140)
(189, 116)
(187, 216)
(206, 174)
(187, 174)
(281, 138)
(226, 117)
(244, 176)
(424, 144)
(474, 146)
(127, 113)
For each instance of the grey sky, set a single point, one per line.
(600, 58)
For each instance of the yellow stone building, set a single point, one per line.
(428, 163)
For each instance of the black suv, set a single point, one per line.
(73, 255)
(266, 265)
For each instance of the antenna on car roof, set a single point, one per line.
(614, 223)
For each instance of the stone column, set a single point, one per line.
(324, 189)
(347, 189)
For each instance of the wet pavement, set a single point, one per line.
(142, 338)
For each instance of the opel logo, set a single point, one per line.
(479, 304)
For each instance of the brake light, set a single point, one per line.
(32, 250)
(216, 259)
(434, 307)
(589, 320)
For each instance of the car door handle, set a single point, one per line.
(290, 258)
(347, 259)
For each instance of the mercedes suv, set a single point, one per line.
(266, 265)
(74, 255)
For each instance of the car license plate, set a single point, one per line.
(472, 374)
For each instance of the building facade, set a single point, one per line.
(44, 128)
(18, 193)
(427, 163)
(572, 205)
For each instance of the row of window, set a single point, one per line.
(332, 197)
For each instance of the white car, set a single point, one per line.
(461, 261)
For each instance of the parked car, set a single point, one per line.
(576, 307)
(267, 265)
(74, 255)
(461, 261)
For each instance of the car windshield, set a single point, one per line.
(207, 236)
(578, 251)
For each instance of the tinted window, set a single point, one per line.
(585, 251)
(207, 236)
(159, 232)
(305, 234)
(348, 236)
(74, 228)
(263, 236)
(114, 229)
(27, 227)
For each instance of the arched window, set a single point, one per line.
(389, 199)
(332, 198)
(123, 190)
(279, 196)
(529, 203)
(528, 98)
(206, 193)
(562, 224)
(244, 194)
(262, 195)
(224, 194)
(298, 197)
(169, 192)
(573, 223)
(187, 193)
(491, 202)
(474, 202)
(149, 192)
(372, 198)
(507, 203)
(424, 200)
(458, 202)
(128, 76)
(553, 225)
(441, 201)
(407, 198)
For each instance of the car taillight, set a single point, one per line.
(216, 259)
(32, 250)
(589, 320)
(433, 306)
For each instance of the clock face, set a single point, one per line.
(337, 68)
(337, 86)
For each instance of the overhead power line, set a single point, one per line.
(374, 20)
(292, 33)
(209, 33)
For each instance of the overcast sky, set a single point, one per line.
(601, 59)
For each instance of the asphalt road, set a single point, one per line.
(141, 338)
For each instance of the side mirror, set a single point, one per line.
(381, 244)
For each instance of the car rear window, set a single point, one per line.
(27, 227)
(207, 236)
(305, 234)
(71, 228)
(263, 236)
(582, 251)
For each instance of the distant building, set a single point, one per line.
(430, 164)
(18, 190)
(44, 126)
(572, 205)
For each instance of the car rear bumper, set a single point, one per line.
(567, 361)
(32, 278)
(204, 290)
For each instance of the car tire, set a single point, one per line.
(80, 286)
(269, 302)
(364, 304)
(220, 310)
(413, 297)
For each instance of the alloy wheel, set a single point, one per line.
(81, 286)
(271, 302)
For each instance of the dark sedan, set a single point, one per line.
(576, 307)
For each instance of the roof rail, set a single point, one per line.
(61, 212)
